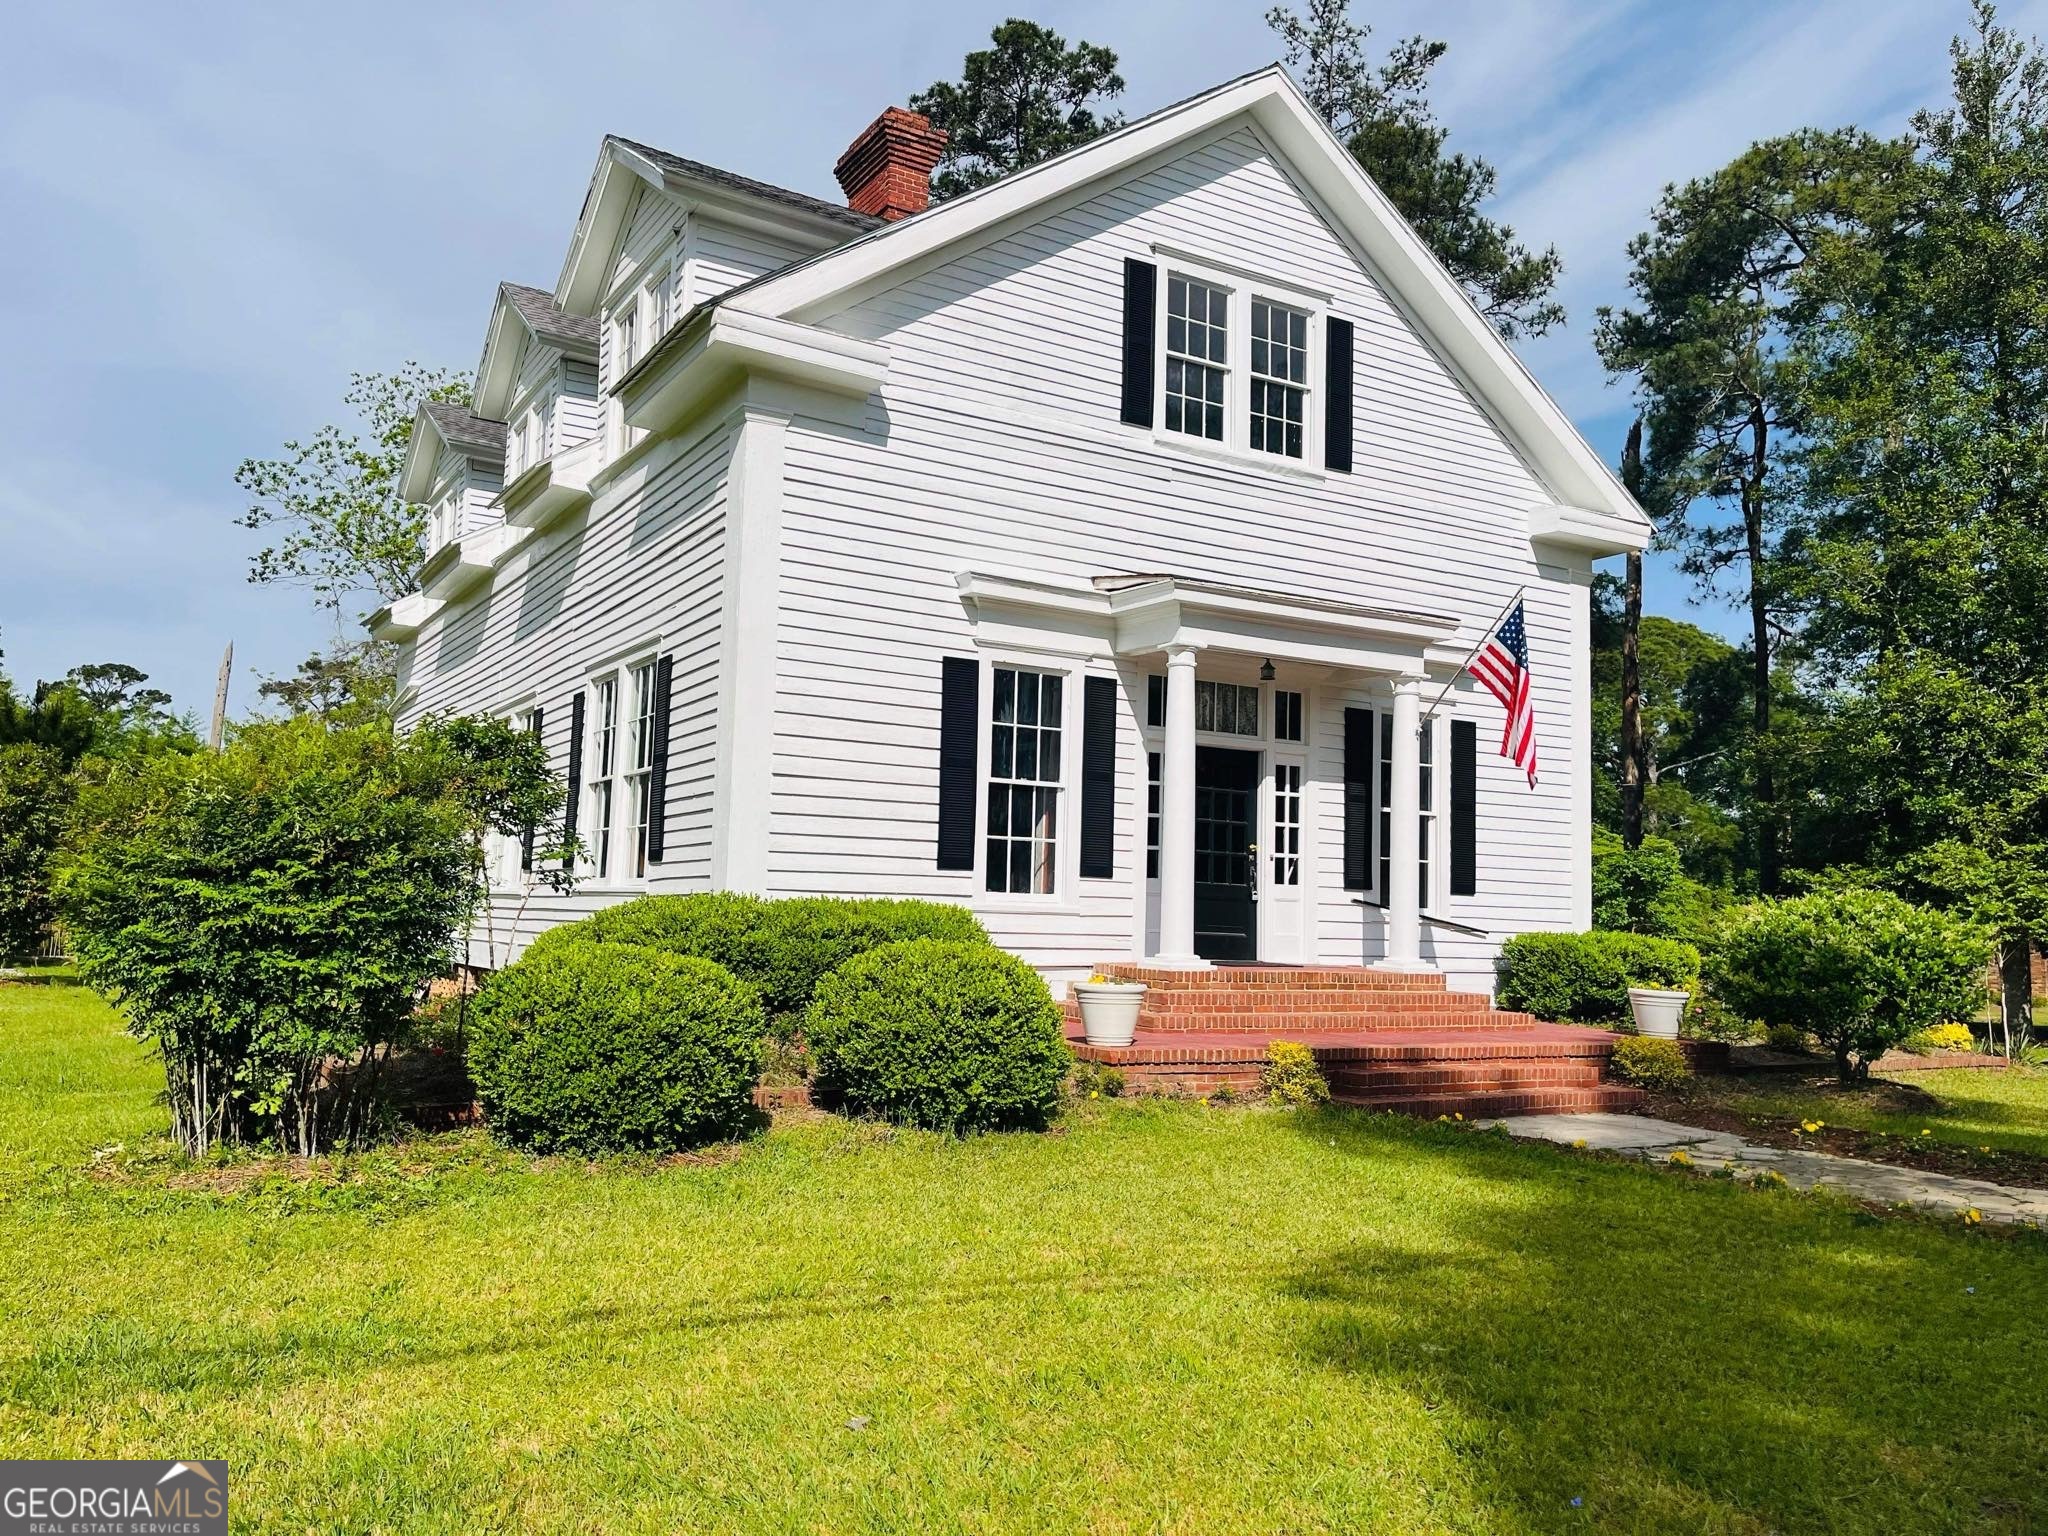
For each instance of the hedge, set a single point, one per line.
(585, 1047)
(780, 948)
(946, 1035)
(1584, 977)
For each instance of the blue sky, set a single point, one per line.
(213, 213)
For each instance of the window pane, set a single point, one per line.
(998, 810)
(1006, 694)
(1027, 754)
(1049, 699)
(1020, 865)
(1027, 698)
(1049, 756)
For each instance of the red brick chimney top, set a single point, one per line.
(887, 170)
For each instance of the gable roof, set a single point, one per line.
(624, 163)
(546, 319)
(464, 430)
(435, 423)
(746, 186)
(1411, 275)
(535, 309)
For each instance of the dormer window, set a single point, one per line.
(626, 339)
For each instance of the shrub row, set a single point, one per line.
(780, 948)
(642, 1027)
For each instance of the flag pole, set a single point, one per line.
(1485, 635)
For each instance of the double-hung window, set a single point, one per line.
(1025, 727)
(1426, 793)
(1279, 378)
(1197, 356)
(640, 761)
(1238, 360)
(604, 774)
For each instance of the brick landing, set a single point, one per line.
(1384, 1039)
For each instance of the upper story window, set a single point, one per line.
(1237, 363)
(1279, 397)
(445, 522)
(1197, 356)
(1025, 729)
(625, 341)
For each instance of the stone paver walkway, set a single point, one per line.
(1880, 1183)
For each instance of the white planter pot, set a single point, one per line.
(1109, 1014)
(1657, 1011)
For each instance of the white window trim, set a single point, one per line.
(1241, 286)
(1066, 879)
(619, 672)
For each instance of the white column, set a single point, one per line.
(1404, 837)
(1177, 816)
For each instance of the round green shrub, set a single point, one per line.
(1585, 977)
(584, 1047)
(1860, 970)
(1649, 1062)
(937, 1033)
(781, 948)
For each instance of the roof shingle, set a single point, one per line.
(803, 202)
(464, 429)
(536, 306)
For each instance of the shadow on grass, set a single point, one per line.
(1682, 1353)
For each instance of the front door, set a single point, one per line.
(1226, 904)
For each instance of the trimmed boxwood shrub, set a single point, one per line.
(583, 1047)
(781, 948)
(1584, 977)
(1860, 970)
(1650, 1063)
(935, 1033)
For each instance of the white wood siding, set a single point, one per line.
(644, 563)
(579, 413)
(723, 256)
(1001, 449)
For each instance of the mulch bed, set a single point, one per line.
(1696, 1106)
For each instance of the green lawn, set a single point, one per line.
(1159, 1318)
(2006, 1111)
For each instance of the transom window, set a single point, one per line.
(1287, 823)
(1024, 781)
(1229, 708)
(1286, 715)
(1279, 378)
(1197, 356)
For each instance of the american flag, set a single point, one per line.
(1502, 663)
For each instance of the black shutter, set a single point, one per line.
(1464, 807)
(1358, 809)
(1337, 394)
(1141, 300)
(575, 785)
(959, 724)
(657, 762)
(1098, 778)
(526, 837)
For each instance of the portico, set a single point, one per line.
(1247, 776)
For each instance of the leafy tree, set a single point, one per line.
(54, 717)
(1028, 98)
(1645, 889)
(1924, 558)
(1381, 112)
(332, 501)
(268, 916)
(351, 683)
(35, 793)
(1712, 343)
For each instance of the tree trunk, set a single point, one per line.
(1633, 765)
(2016, 986)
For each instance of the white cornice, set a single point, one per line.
(724, 345)
(1588, 532)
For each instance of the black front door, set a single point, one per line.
(1226, 910)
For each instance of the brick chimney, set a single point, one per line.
(887, 170)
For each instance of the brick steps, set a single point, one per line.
(1271, 1022)
(1492, 1105)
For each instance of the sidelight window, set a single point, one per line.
(1025, 728)
(1287, 823)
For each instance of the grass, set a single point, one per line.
(2004, 1110)
(1159, 1318)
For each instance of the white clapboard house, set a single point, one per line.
(1090, 550)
